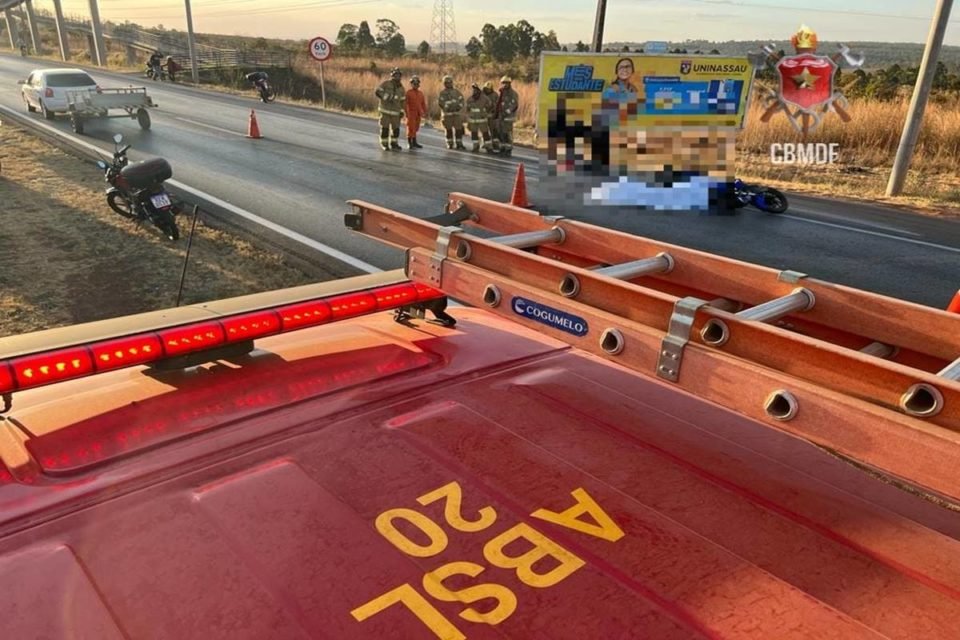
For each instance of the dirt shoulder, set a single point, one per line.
(66, 258)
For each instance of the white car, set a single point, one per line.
(45, 90)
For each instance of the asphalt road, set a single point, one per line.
(310, 162)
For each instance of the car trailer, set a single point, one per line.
(89, 105)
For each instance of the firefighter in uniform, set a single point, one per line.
(492, 98)
(507, 105)
(392, 98)
(478, 108)
(451, 111)
(415, 109)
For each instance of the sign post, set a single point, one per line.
(320, 50)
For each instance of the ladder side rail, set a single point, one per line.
(880, 318)
(906, 447)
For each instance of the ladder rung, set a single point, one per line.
(531, 238)
(879, 350)
(799, 300)
(660, 263)
(951, 371)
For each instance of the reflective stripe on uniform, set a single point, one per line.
(391, 113)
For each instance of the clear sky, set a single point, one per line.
(627, 20)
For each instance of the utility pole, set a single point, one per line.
(598, 25)
(99, 50)
(921, 91)
(61, 31)
(191, 45)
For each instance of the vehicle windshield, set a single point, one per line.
(78, 79)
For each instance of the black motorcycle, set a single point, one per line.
(764, 198)
(155, 72)
(136, 190)
(261, 82)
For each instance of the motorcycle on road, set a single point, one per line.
(764, 198)
(136, 190)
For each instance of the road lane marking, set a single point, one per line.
(874, 225)
(890, 236)
(243, 213)
(210, 126)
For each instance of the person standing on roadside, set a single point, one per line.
(415, 108)
(506, 112)
(392, 98)
(492, 99)
(478, 109)
(451, 111)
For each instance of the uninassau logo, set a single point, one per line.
(704, 67)
(549, 316)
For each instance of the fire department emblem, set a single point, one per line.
(806, 81)
(806, 89)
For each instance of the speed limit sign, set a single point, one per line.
(320, 49)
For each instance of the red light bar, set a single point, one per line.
(35, 370)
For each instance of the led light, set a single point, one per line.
(53, 366)
(251, 325)
(126, 352)
(304, 314)
(181, 340)
(426, 293)
(6, 378)
(352, 304)
(396, 296)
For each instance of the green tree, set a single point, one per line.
(714, 52)
(423, 50)
(389, 39)
(365, 39)
(504, 47)
(580, 46)
(550, 42)
(474, 48)
(347, 38)
(488, 36)
(523, 38)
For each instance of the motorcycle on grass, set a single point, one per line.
(261, 83)
(136, 190)
(764, 198)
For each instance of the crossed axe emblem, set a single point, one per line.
(806, 120)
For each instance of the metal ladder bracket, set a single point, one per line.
(440, 253)
(791, 277)
(678, 335)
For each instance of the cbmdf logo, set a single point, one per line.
(806, 90)
(686, 66)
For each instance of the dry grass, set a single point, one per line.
(867, 146)
(70, 259)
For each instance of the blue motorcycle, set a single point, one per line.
(764, 198)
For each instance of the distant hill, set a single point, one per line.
(878, 54)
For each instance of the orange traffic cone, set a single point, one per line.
(519, 196)
(954, 306)
(253, 129)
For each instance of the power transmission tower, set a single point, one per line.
(443, 32)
